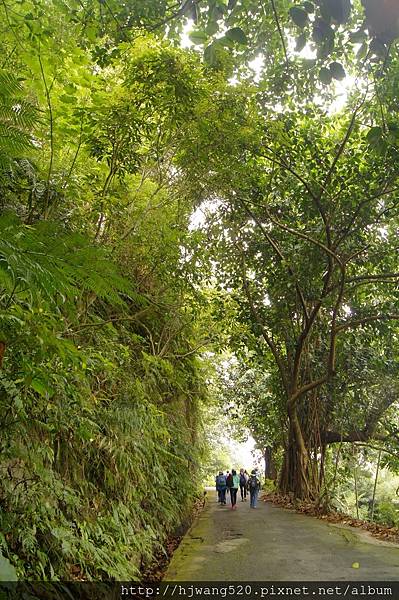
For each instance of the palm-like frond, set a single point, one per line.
(17, 119)
(48, 261)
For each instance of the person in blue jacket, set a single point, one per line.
(221, 487)
(253, 487)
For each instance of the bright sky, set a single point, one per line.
(341, 88)
(243, 454)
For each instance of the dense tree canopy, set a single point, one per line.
(113, 139)
(307, 237)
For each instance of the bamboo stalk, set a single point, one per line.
(356, 487)
(375, 484)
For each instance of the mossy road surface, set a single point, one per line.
(273, 544)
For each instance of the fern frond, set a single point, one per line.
(9, 83)
(13, 139)
(17, 120)
(18, 112)
(49, 262)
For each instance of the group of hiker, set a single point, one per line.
(229, 483)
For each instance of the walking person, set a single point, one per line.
(243, 485)
(229, 482)
(234, 489)
(253, 487)
(216, 485)
(221, 487)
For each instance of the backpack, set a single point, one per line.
(253, 482)
(229, 481)
(221, 481)
(243, 481)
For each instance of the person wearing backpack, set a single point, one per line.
(229, 482)
(221, 487)
(253, 487)
(234, 485)
(243, 485)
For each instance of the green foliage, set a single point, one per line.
(110, 138)
(49, 261)
(387, 513)
(17, 119)
(299, 16)
(358, 466)
(100, 384)
(78, 455)
(293, 210)
(7, 571)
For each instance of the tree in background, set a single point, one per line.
(111, 136)
(302, 211)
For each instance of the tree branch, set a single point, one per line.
(365, 320)
(135, 317)
(361, 205)
(280, 255)
(284, 165)
(377, 277)
(344, 142)
(307, 388)
(332, 437)
(175, 15)
(276, 18)
(190, 352)
(2, 352)
(333, 332)
(301, 340)
(306, 237)
(50, 109)
(258, 320)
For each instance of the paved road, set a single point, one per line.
(273, 544)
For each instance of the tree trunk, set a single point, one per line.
(270, 467)
(295, 478)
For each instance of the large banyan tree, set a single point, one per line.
(302, 217)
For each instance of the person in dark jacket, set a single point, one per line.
(243, 484)
(229, 482)
(221, 487)
(235, 483)
(253, 487)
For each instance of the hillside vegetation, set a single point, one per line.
(161, 207)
